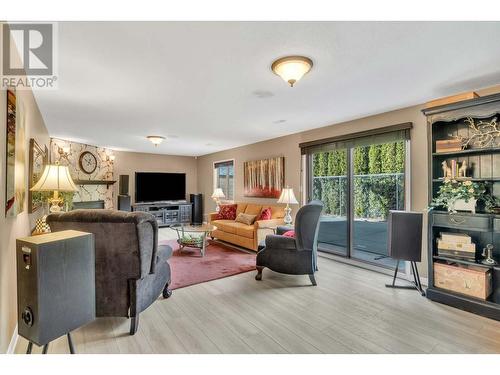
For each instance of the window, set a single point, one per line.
(224, 178)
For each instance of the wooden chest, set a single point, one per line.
(474, 281)
(449, 145)
(452, 99)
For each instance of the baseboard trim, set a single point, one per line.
(371, 267)
(13, 342)
(352, 262)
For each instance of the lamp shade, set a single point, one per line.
(292, 68)
(156, 139)
(218, 193)
(55, 178)
(287, 196)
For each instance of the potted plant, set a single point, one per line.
(462, 196)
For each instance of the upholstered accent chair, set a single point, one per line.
(294, 255)
(131, 270)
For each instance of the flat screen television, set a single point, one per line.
(156, 187)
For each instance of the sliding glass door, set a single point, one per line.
(330, 185)
(359, 181)
(378, 187)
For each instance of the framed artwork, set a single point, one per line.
(38, 158)
(10, 193)
(264, 178)
(15, 189)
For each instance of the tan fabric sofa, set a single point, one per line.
(247, 236)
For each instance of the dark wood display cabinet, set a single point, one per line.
(449, 122)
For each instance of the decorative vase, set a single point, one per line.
(462, 205)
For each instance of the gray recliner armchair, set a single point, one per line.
(131, 270)
(294, 256)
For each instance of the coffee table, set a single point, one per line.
(194, 236)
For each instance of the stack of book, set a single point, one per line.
(454, 169)
(456, 245)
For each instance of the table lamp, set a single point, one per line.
(55, 178)
(287, 196)
(216, 196)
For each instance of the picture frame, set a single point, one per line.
(10, 155)
(264, 178)
(38, 159)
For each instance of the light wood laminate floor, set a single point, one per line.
(350, 311)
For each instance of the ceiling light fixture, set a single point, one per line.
(156, 139)
(292, 68)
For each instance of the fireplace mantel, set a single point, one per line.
(95, 182)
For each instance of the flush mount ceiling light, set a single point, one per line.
(292, 68)
(156, 139)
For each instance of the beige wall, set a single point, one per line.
(12, 228)
(288, 146)
(131, 162)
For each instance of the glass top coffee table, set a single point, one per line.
(193, 236)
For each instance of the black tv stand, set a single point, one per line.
(167, 213)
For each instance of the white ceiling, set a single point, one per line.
(208, 86)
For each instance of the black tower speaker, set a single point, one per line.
(197, 201)
(124, 203)
(55, 285)
(404, 243)
(405, 235)
(123, 184)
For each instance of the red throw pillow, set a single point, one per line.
(227, 212)
(290, 233)
(265, 214)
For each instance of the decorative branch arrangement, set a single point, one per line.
(483, 134)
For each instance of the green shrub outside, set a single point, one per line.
(376, 187)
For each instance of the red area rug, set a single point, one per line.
(189, 268)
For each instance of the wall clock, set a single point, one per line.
(88, 162)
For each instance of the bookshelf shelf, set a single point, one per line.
(468, 151)
(482, 179)
(462, 261)
(471, 229)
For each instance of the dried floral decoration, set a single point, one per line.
(484, 134)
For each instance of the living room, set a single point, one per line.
(264, 187)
